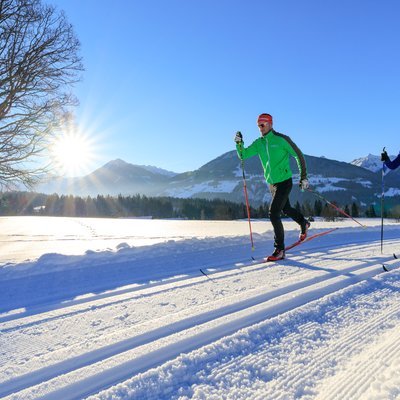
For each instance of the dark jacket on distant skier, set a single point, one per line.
(390, 164)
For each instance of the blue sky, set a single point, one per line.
(168, 83)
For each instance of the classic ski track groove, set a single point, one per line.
(240, 266)
(285, 298)
(138, 292)
(343, 347)
(366, 371)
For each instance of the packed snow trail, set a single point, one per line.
(294, 325)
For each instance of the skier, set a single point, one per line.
(390, 164)
(274, 149)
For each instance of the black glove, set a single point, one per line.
(238, 138)
(384, 156)
(304, 184)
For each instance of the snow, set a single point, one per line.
(391, 192)
(224, 186)
(118, 309)
(238, 173)
(326, 184)
(370, 162)
(157, 170)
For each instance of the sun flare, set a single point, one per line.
(72, 154)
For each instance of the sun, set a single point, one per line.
(72, 154)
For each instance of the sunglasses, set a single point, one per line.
(262, 125)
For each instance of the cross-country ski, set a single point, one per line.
(289, 247)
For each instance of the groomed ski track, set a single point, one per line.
(115, 341)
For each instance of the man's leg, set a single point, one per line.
(280, 195)
(297, 217)
(293, 213)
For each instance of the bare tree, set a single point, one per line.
(39, 62)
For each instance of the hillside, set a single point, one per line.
(222, 178)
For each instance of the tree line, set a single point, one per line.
(28, 203)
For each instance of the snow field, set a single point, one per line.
(143, 322)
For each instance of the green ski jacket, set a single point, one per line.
(274, 150)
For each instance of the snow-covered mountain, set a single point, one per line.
(371, 162)
(359, 181)
(338, 181)
(115, 177)
(157, 170)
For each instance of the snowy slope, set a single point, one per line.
(118, 309)
(221, 178)
(371, 162)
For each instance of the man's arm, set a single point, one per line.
(393, 164)
(246, 152)
(298, 155)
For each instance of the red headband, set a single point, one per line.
(264, 118)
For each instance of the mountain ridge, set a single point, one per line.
(222, 178)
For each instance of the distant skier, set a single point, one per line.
(274, 149)
(390, 164)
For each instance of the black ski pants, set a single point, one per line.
(280, 203)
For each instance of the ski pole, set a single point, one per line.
(246, 199)
(382, 201)
(335, 207)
